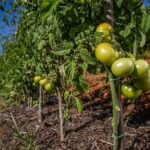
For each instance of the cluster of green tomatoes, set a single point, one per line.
(43, 82)
(136, 71)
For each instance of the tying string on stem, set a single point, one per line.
(117, 137)
(113, 79)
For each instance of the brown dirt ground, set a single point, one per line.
(89, 131)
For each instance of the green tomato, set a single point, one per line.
(140, 69)
(43, 82)
(37, 79)
(104, 27)
(105, 53)
(144, 82)
(130, 91)
(122, 67)
(47, 87)
(146, 75)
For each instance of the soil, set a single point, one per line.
(89, 131)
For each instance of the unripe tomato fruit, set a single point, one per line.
(37, 79)
(144, 82)
(105, 53)
(122, 67)
(141, 67)
(104, 27)
(130, 91)
(43, 82)
(47, 87)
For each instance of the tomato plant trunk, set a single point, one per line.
(116, 109)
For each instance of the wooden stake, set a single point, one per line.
(40, 104)
(60, 116)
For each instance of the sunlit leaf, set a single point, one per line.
(79, 105)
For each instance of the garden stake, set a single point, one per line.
(116, 112)
(117, 120)
(121, 119)
(40, 104)
(60, 116)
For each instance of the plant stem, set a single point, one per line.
(116, 112)
(60, 116)
(135, 46)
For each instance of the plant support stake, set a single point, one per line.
(116, 112)
(117, 121)
(60, 116)
(40, 104)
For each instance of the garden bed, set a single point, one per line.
(89, 131)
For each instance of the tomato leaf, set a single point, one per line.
(119, 2)
(86, 56)
(52, 4)
(79, 105)
(145, 23)
(45, 4)
(143, 39)
(126, 32)
(81, 84)
(70, 70)
(61, 52)
(41, 44)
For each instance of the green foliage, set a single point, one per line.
(79, 105)
(64, 37)
(60, 35)
(132, 25)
